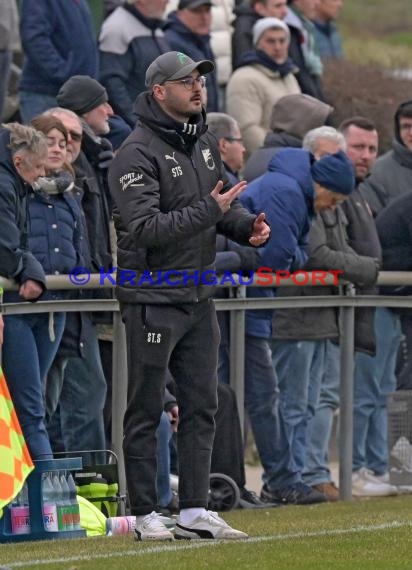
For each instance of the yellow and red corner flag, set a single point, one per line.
(15, 460)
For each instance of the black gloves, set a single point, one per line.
(106, 154)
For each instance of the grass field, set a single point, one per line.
(362, 535)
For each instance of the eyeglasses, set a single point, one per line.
(77, 137)
(405, 127)
(234, 139)
(189, 82)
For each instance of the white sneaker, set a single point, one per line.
(402, 451)
(384, 478)
(151, 527)
(208, 526)
(365, 484)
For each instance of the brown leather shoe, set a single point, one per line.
(329, 489)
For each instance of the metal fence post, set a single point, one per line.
(347, 345)
(119, 397)
(237, 355)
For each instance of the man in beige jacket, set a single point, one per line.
(266, 73)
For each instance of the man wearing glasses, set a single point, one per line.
(166, 182)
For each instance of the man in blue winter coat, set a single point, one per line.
(294, 188)
(58, 42)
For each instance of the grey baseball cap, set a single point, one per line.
(175, 65)
(193, 4)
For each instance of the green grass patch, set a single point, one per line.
(368, 534)
(400, 39)
(375, 17)
(364, 50)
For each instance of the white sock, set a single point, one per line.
(187, 516)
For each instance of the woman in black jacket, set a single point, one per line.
(53, 240)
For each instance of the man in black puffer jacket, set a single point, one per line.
(166, 183)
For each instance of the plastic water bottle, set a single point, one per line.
(74, 505)
(49, 504)
(67, 508)
(120, 525)
(20, 513)
(58, 496)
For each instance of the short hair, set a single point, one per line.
(311, 138)
(404, 110)
(56, 111)
(221, 125)
(359, 122)
(26, 139)
(46, 123)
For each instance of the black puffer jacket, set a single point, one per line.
(363, 238)
(16, 262)
(164, 215)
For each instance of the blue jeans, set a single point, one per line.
(374, 380)
(261, 402)
(27, 355)
(163, 434)
(320, 426)
(78, 385)
(299, 366)
(34, 104)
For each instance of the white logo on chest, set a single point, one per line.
(208, 158)
(130, 180)
(171, 157)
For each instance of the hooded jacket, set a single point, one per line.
(391, 175)
(285, 193)
(196, 46)
(17, 262)
(394, 225)
(164, 216)
(292, 117)
(128, 44)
